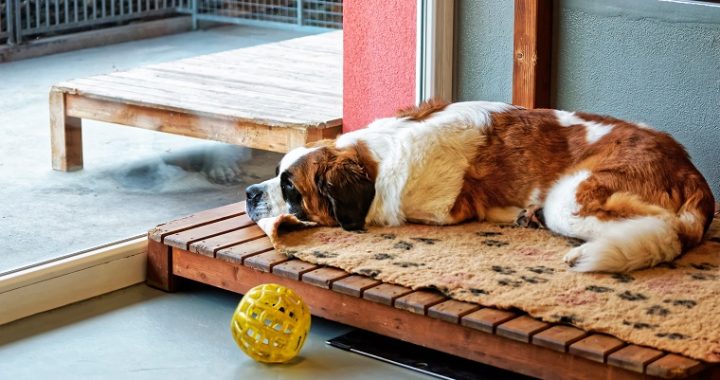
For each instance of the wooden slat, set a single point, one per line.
(414, 328)
(197, 219)
(419, 301)
(293, 269)
(324, 277)
(65, 135)
(487, 319)
(159, 267)
(209, 246)
(385, 293)
(673, 366)
(183, 239)
(238, 253)
(265, 261)
(522, 328)
(596, 347)
(634, 357)
(559, 337)
(225, 128)
(451, 310)
(354, 285)
(532, 53)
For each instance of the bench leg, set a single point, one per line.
(159, 266)
(65, 135)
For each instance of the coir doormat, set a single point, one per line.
(673, 307)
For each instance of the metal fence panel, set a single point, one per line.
(24, 19)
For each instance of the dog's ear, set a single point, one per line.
(350, 190)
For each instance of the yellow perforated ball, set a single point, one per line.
(271, 323)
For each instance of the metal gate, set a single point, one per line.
(21, 20)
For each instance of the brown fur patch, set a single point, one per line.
(424, 110)
(329, 165)
(635, 171)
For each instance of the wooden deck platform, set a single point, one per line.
(273, 97)
(224, 248)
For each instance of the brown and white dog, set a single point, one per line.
(631, 192)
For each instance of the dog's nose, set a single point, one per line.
(252, 192)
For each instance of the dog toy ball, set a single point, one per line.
(270, 323)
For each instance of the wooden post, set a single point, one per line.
(65, 135)
(159, 266)
(532, 53)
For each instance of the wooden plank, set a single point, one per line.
(159, 267)
(558, 337)
(414, 328)
(238, 253)
(184, 238)
(324, 277)
(634, 357)
(209, 126)
(265, 261)
(209, 246)
(354, 285)
(487, 319)
(674, 366)
(65, 135)
(293, 269)
(385, 293)
(451, 310)
(522, 328)
(532, 53)
(596, 347)
(264, 111)
(419, 301)
(197, 219)
(250, 85)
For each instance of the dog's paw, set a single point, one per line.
(531, 217)
(574, 256)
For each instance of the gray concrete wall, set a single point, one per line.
(642, 60)
(483, 54)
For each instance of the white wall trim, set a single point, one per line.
(58, 283)
(434, 52)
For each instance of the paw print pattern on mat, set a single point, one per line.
(403, 245)
(488, 233)
(657, 310)
(427, 241)
(503, 270)
(630, 296)
(495, 243)
(686, 303)
(384, 256)
(599, 289)
(623, 277)
(541, 269)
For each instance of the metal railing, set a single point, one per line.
(21, 20)
(315, 13)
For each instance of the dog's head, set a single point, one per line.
(322, 184)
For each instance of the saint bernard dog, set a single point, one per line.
(629, 191)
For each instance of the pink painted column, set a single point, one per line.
(378, 59)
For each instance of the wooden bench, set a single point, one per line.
(273, 97)
(224, 248)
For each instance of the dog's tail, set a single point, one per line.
(695, 215)
(659, 236)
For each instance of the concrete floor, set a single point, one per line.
(142, 333)
(129, 183)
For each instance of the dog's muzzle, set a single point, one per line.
(264, 200)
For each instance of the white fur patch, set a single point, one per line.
(535, 197)
(421, 164)
(292, 156)
(567, 119)
(615, 246)
(595, 131)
